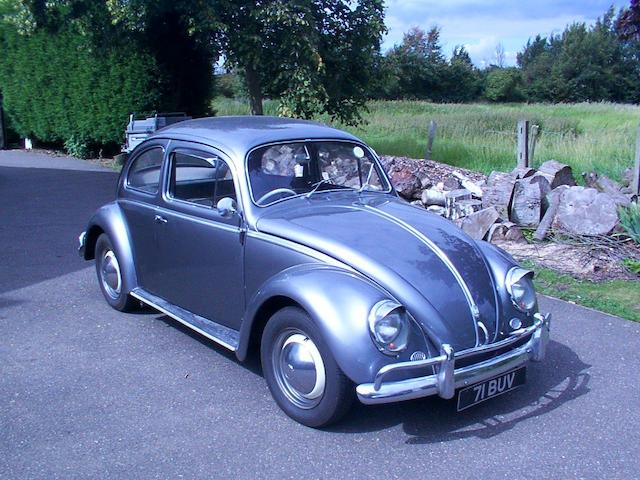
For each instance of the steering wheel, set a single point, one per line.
(272, 193)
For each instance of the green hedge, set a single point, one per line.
(57, 89)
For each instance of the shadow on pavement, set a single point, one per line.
(561, 378)
(252, 363)
(43, 212)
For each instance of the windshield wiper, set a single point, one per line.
(316, 186)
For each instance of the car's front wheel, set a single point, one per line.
(112, 281)
(300, 370)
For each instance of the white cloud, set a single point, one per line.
(481, 25)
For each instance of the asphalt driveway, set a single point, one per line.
(87, 392)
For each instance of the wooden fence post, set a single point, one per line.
(3, 132)
(523, 144)
(535, 132)
(433, 126)
(635, 185)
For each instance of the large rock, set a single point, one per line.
(407, 184)
(527, 203)
(498, 191)
(557, 173)
(433, 196)
(505, 232)
(522, 172)
(406, 175)
(606, 185)
(585, 211)
(468, 206)
(452, 198)
(478, 224)
(551, 202)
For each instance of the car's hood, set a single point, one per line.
(423, 260)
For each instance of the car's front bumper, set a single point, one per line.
(447, 379)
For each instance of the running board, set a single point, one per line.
(225, 336)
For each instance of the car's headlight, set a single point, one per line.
(520, 286)
(389, 326)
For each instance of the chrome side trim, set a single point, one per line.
(211, 222)
(473, 307)
(448, 378)
(220, 334)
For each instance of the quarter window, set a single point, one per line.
(200, 180)
(144, 173)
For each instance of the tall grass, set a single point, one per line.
(587, 136)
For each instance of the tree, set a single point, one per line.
(183, 37)
(627, 27)
(462, 82)
(500, 55)
(58, 89)
(536, 63)
(589, 63)
(628, 23)
(504, 85)
(183, 50)
(419, 65)
(315, 55)
(584, 63)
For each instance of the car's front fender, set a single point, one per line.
(110, 219)
(338, 301)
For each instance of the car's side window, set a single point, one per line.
(144, 173)
(201, 180)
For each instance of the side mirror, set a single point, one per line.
(227, 206)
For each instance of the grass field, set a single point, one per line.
(617, 297)
(595, 136)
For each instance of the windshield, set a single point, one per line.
(291, 169)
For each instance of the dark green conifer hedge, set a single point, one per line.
(58, 89)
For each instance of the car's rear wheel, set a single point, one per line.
(300, 370)
(110, 278)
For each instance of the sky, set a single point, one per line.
(481, 25)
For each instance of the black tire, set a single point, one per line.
(338, 392)
(116, 292)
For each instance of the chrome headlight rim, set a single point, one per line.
(515, 275)
(377, 314)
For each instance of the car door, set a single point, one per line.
(200, 253)
(140, 190)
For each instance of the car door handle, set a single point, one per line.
(160, 219)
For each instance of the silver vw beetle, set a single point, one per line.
(286, 237)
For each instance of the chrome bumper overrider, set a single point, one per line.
(448, 379)
(82, 240)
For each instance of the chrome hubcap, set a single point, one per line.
(299, 369)
(110, 274)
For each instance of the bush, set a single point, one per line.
(77, 147)
(630, 220)
(632, 265)
(230, 85)
(504, 85)
(57, 89)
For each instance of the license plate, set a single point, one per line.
(475, 394)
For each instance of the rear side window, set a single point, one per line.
(144, 173)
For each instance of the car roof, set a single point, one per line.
(239, 134)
